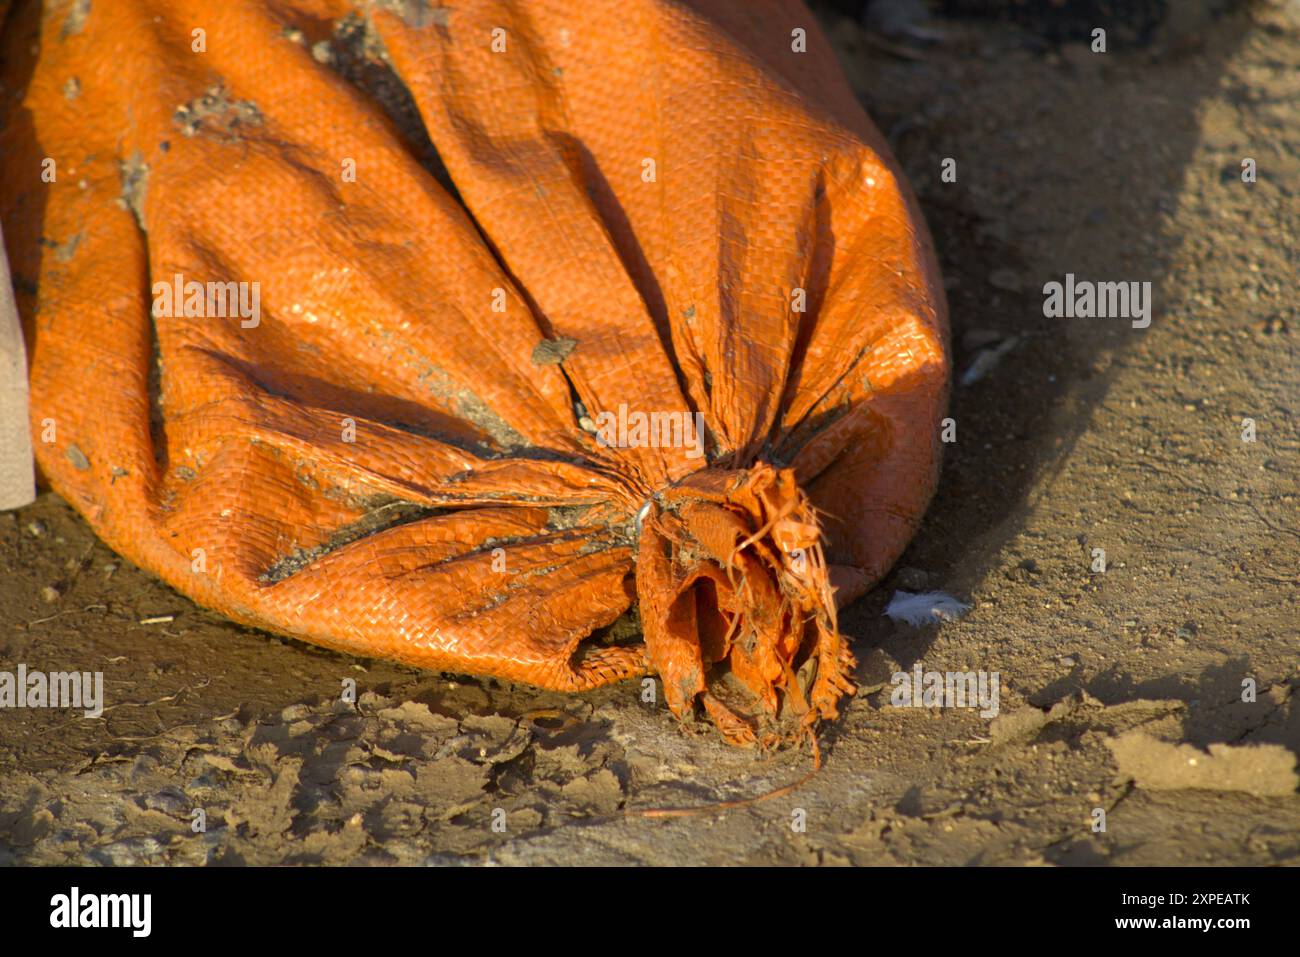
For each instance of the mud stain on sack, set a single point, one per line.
(135, 179)
(78, 459)
(414, 13)
(356, 52)
(76, 19)
(384, 516)
(551, 352)
(215, 114)
(470, 407)
(65, 251)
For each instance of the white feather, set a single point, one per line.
(925, 608)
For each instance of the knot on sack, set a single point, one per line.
(737, 606)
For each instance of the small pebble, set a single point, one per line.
(50, 594)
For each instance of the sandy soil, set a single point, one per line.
(1085, 434)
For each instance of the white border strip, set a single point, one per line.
(17, 475)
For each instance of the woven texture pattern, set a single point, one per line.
(695, 215)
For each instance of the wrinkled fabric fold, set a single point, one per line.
(737, 606)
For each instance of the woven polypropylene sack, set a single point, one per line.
(390, 326)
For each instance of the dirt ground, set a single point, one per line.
(1080, 434)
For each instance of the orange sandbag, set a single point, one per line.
(388, 326)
